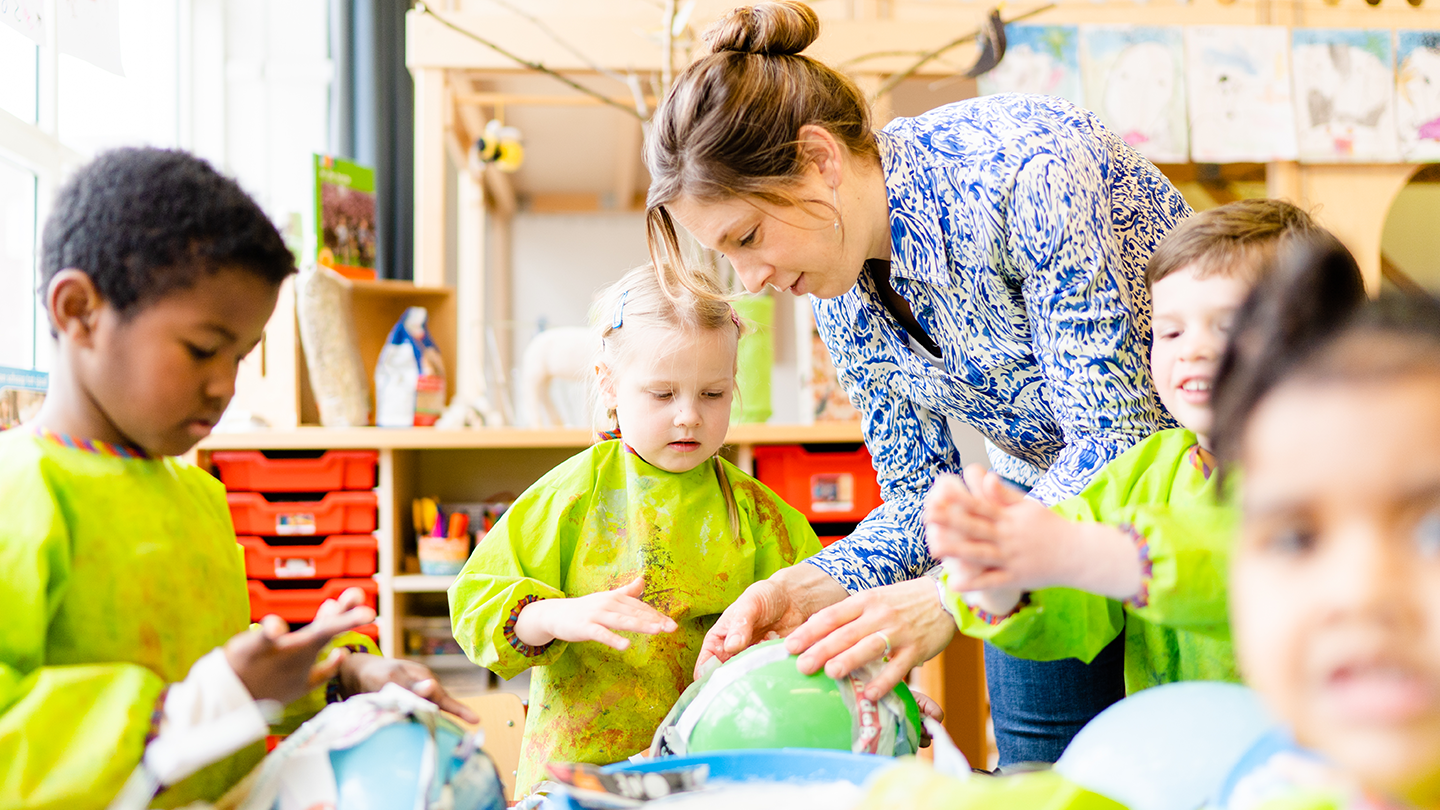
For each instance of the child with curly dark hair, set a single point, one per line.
(125, 661)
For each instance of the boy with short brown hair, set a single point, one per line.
(1144, 548)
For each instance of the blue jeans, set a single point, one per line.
(1038, 706)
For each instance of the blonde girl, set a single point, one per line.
(606, 574)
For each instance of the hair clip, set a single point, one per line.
(620, 311)
(735, 318)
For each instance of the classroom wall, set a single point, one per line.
(561, 260)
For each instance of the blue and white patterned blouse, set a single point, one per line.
(1020, 229)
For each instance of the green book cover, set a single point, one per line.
(345, 217)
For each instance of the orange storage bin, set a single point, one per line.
(827, 485)
(300, 604)
(336, 513)
(341, 556)
(257, 471)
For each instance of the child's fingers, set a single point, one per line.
(273, 627)
(971, 528)
(971, 477)
(634, 607)
(970, 501)
(635, 622)
(928, 707)
(350, 599)
(989, 579)
(943, 491)
(327, 669)
(431, 690)
(596, 632)
(978, 554)
(634, 589)
(326, 626)
(997, 491)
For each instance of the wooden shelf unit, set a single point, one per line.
(465, 465)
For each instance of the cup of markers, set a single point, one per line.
(443, 540)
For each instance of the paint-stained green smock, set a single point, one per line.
(916, 786)
(115, 576)
(1162, 488)
(593, 524)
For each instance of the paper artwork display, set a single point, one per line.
(1417, 94)
(25, 16)
(1239, 84)
(1134, 79)
(88, 29)
(1344, 95)
(1039, 59)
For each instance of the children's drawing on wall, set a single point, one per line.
(1134, 78)
(1239, 83)
(1041, 59)
(1417, 94)
(1344, 94)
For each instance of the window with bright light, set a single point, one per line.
(19, 64)
(95, 109)
(18, 305)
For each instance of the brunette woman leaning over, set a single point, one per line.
(982, 263)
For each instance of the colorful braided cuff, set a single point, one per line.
(334, 689)
(157, 715)
(521, 647)
(993, 619)
(1147, 568)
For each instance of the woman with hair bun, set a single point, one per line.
(981, 263)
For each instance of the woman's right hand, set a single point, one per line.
(770, 608)
(592, 618)
(275, 664)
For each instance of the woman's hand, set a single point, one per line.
(592, 618)
(770, 608)
(848, 635)
(275, 664)
(992, 538)
(362, 672)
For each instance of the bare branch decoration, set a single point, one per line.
(925, 58)
(424, 8)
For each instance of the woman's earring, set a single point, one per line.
(835, 196)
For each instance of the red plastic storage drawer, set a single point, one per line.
(336, 513)
(300, 604)
(255, 471)
(827, 485)
(341, 556)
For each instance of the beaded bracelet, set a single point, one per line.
(1147, 567)
(993, 619)
(157, 715)
(334, 689)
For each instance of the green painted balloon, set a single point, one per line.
(774, 706)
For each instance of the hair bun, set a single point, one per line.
(772, 29)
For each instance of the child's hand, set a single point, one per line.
(278, 665)
(927, 706)
(592, 618)
(992, 538)
(362, 672)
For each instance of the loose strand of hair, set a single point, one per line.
(732, 508)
